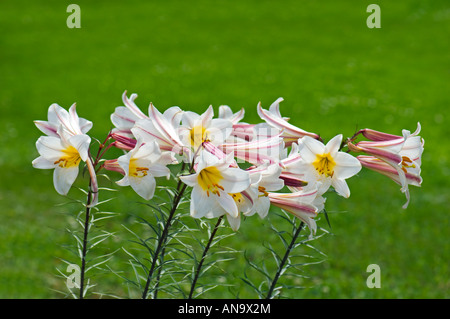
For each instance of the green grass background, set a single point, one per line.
(334, 73)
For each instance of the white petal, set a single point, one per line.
(309, 148)
(235, 222)
(228, 204)
(81, 143)
(124, 181)
(346, 165)
(190, 180)
(333, 145)
(50, 147)
(63, 178)
(189, 119)
(43, 163)
(159, 170)
(341, 187)
(143, 186)
(235, 180)
(123, 118)
(200, 203)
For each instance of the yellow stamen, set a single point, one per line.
(198, 136)
(263, 191)
(324, 164)
(70, 158)
(209, 179)
(136, 171)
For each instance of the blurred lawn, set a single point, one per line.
(334, 73)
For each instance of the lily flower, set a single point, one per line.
(63, 154)
(141, 165)
(226, 113)
(163, 128)
(304, 204)
(64, 147)
(69, 120)
(412, 175)
(264, 179)
(273, 117)
(196, 129)
(402, 153)
(326, 164)
(215, 186)
(257, 151)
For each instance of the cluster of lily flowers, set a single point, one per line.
(234, 168)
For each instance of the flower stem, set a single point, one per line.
(285, 258)
(85, 242)
(162, 239)
(205, 251)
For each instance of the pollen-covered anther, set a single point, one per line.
(263, 191)
(407, 162)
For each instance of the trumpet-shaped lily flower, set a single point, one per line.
(257, 151)
(304, 204)
(160, 127)
(273, 117)
(412, 175)
(264, 179)
(64, 147)
(63, 154)
(402, 153)
(215, 186)
(69, 120)
(196, 129)
(326, 164)
(141, 165)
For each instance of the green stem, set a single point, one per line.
(162, 239)
(205, 251)
(283, 262)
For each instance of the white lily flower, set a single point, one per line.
(215, 188)
(163, 128)
(325, 164)
(69, 120)
(196, 129)
(273, 117)
(63, 154)
(141, 165)
(264, 179)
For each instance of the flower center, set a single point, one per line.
(198, 136)
(136, 171)
(238, 198)
(209, 179)
(70, 158)
(407, 162)
(324, 164)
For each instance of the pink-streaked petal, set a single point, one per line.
(129, 103)
(46, 128)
